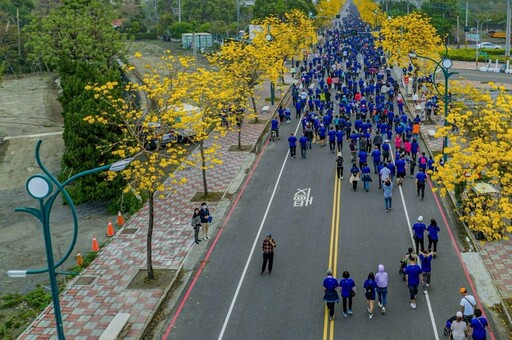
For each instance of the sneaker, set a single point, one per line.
(345, 315)
(428, 285)
(413, 305)
(424, 291)
(370, 315)
(379, 304)
(341, 177)
(350, 311)
(383, 310)
(368, 309)
(331, 318)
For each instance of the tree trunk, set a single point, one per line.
(240, 137)
(254, 108)
(203, 169)
(151, 208)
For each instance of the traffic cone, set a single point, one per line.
(110, 230)
(120, 219)
(95, 246)
(79, 259)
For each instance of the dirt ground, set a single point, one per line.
(30, 111)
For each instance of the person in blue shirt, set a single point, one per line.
(332, 139)
(386, 149)
(414, 149)
(478, 325)
(413, 276)
(369, 286)
(426, 268)
(339, 139)
(418, 229)
(401, 171)
(348, 291)
(292, 143)
(433, 238)
(275, 127)
(355, 176)
(303, 141)
(330, 293)
(421, 179)
(298, 109)
(365, 176)
(288, 115)
(363, 157)
(376, 158)
(321, 134)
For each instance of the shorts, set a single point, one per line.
(400, 174)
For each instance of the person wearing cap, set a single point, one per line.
(330, 292)
(268, 253)
(419, 230)
(467, 304)
(459, 328)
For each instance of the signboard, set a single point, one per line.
(474, 37)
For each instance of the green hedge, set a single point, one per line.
(142, 36)
(467, 54)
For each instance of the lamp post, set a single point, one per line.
(479, 40)
(40, 187)
(444, 64)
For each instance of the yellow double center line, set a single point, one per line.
(333, 249)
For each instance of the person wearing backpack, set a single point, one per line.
(354, 177)
(339, 166)
(369, 286)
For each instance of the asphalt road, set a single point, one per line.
(231, 300)
(483, 76)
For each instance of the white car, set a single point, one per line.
(488, 45)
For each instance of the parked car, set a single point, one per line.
(488, 45)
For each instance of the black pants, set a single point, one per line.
(267, 257)
(354, 185)
(330, 305)
(332, 145)
(196, 232)
(421, 189)
(339, 171)
(340, 146)
(432, 242)
(419, 242)
(345, 303)
(293, 150)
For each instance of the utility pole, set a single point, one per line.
(458, 37)
(19, 32)
(507, 34)
(466, 25)
(238, 17)
(179, 10)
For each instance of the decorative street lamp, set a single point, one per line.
(444, 64)
(40, 187)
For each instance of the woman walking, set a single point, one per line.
(196, 224)
(387, 187)
(381, 279)
(365, 171)
(354, 177)
(348, 291)
(369, 292)
(432, 230)
(330, 293)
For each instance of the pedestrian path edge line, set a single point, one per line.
(256, 240)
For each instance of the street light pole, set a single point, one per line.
(40, 187)
(479, 40)
(444, 64)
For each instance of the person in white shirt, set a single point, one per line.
(467, 304)
(459, 328)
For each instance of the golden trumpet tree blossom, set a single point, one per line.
(370, 12)
(404, 34)
(326, 11)
(479, 152)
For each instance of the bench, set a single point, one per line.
(431, 133)
(115, 327)
(265, 109)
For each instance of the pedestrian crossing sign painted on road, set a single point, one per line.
(302, 198)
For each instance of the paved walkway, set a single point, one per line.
(88, 309)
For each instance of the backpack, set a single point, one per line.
(339, 162)
(423, 160)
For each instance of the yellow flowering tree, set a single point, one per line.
(326, 11)
(370, 12)
(146, 114)
(479, 152)
(414, 32)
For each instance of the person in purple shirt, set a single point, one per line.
(413, 277)
(292, 143)
(348, 291)
(433, 238)
(419, 230)
(381, 279)
(426, 268)
(330, 293)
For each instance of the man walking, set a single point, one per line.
(413, 277)
(268, 253)
(292, 143)
(467, 304)
(421, 178)
(418, 229)
(303, 141)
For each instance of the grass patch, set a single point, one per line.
(163, 278)
(212, 197)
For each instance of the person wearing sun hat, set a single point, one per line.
(467, 304)
(459, 327)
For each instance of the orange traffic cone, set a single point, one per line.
(110, 230)
(95, 246)
(79, 259)
(120, 219)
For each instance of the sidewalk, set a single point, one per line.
(89, 307)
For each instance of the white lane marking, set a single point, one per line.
(256, 240)
(429, 305)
